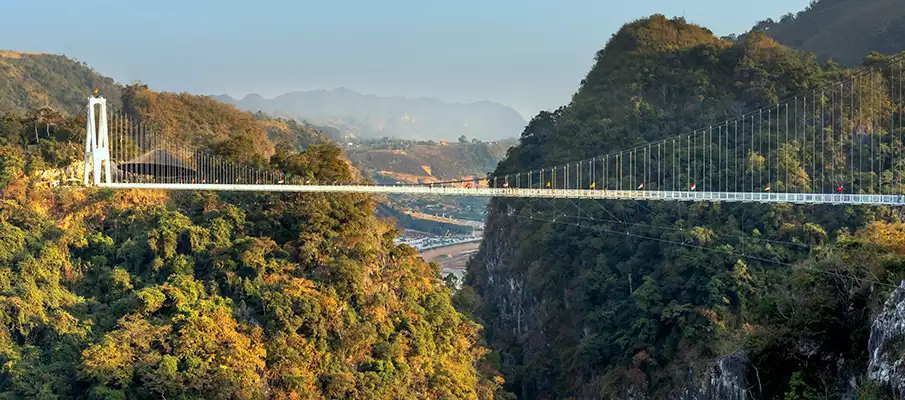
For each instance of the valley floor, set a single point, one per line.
(452, 258)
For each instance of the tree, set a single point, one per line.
(601, 308)
(12, 163)
(137, 294)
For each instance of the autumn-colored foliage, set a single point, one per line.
(148, 294)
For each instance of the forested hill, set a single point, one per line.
(184, 295)
(691, 78)
(842, 30)
(656, 300)
(392, 159)
(55, 85)
(31, 81)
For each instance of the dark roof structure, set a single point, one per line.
(159, 163)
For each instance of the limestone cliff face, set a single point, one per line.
(520, 326)
(725, 380)
(887, 345)
(504, 288)
(505, 283)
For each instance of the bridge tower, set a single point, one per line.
(97, 142)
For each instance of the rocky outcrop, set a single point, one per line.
(507, 290)
(519, 313)
(887, 344)
(72, 173)
(725, 381)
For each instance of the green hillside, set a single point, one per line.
(411, 160)
(148, 295)
(31, 81)
(843, 30)
(645, 300)
(42, 89)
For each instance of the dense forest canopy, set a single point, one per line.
(146, 294)
(691, 79)
(638, 302)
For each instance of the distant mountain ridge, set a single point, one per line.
(369, 116)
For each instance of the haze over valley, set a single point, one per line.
(361, 116)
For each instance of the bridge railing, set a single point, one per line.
(746, 197)
(841, 143)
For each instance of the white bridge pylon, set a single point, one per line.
(97, 142)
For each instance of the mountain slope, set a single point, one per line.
(661, 300)
(183, 295)
(843, 30)
(29, 81)
(200, 120)
(407, 160)
(369, 116)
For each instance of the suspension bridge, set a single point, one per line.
(840, 143)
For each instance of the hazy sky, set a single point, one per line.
(528, 54)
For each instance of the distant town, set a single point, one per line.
(450, 251)
(422, 241)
